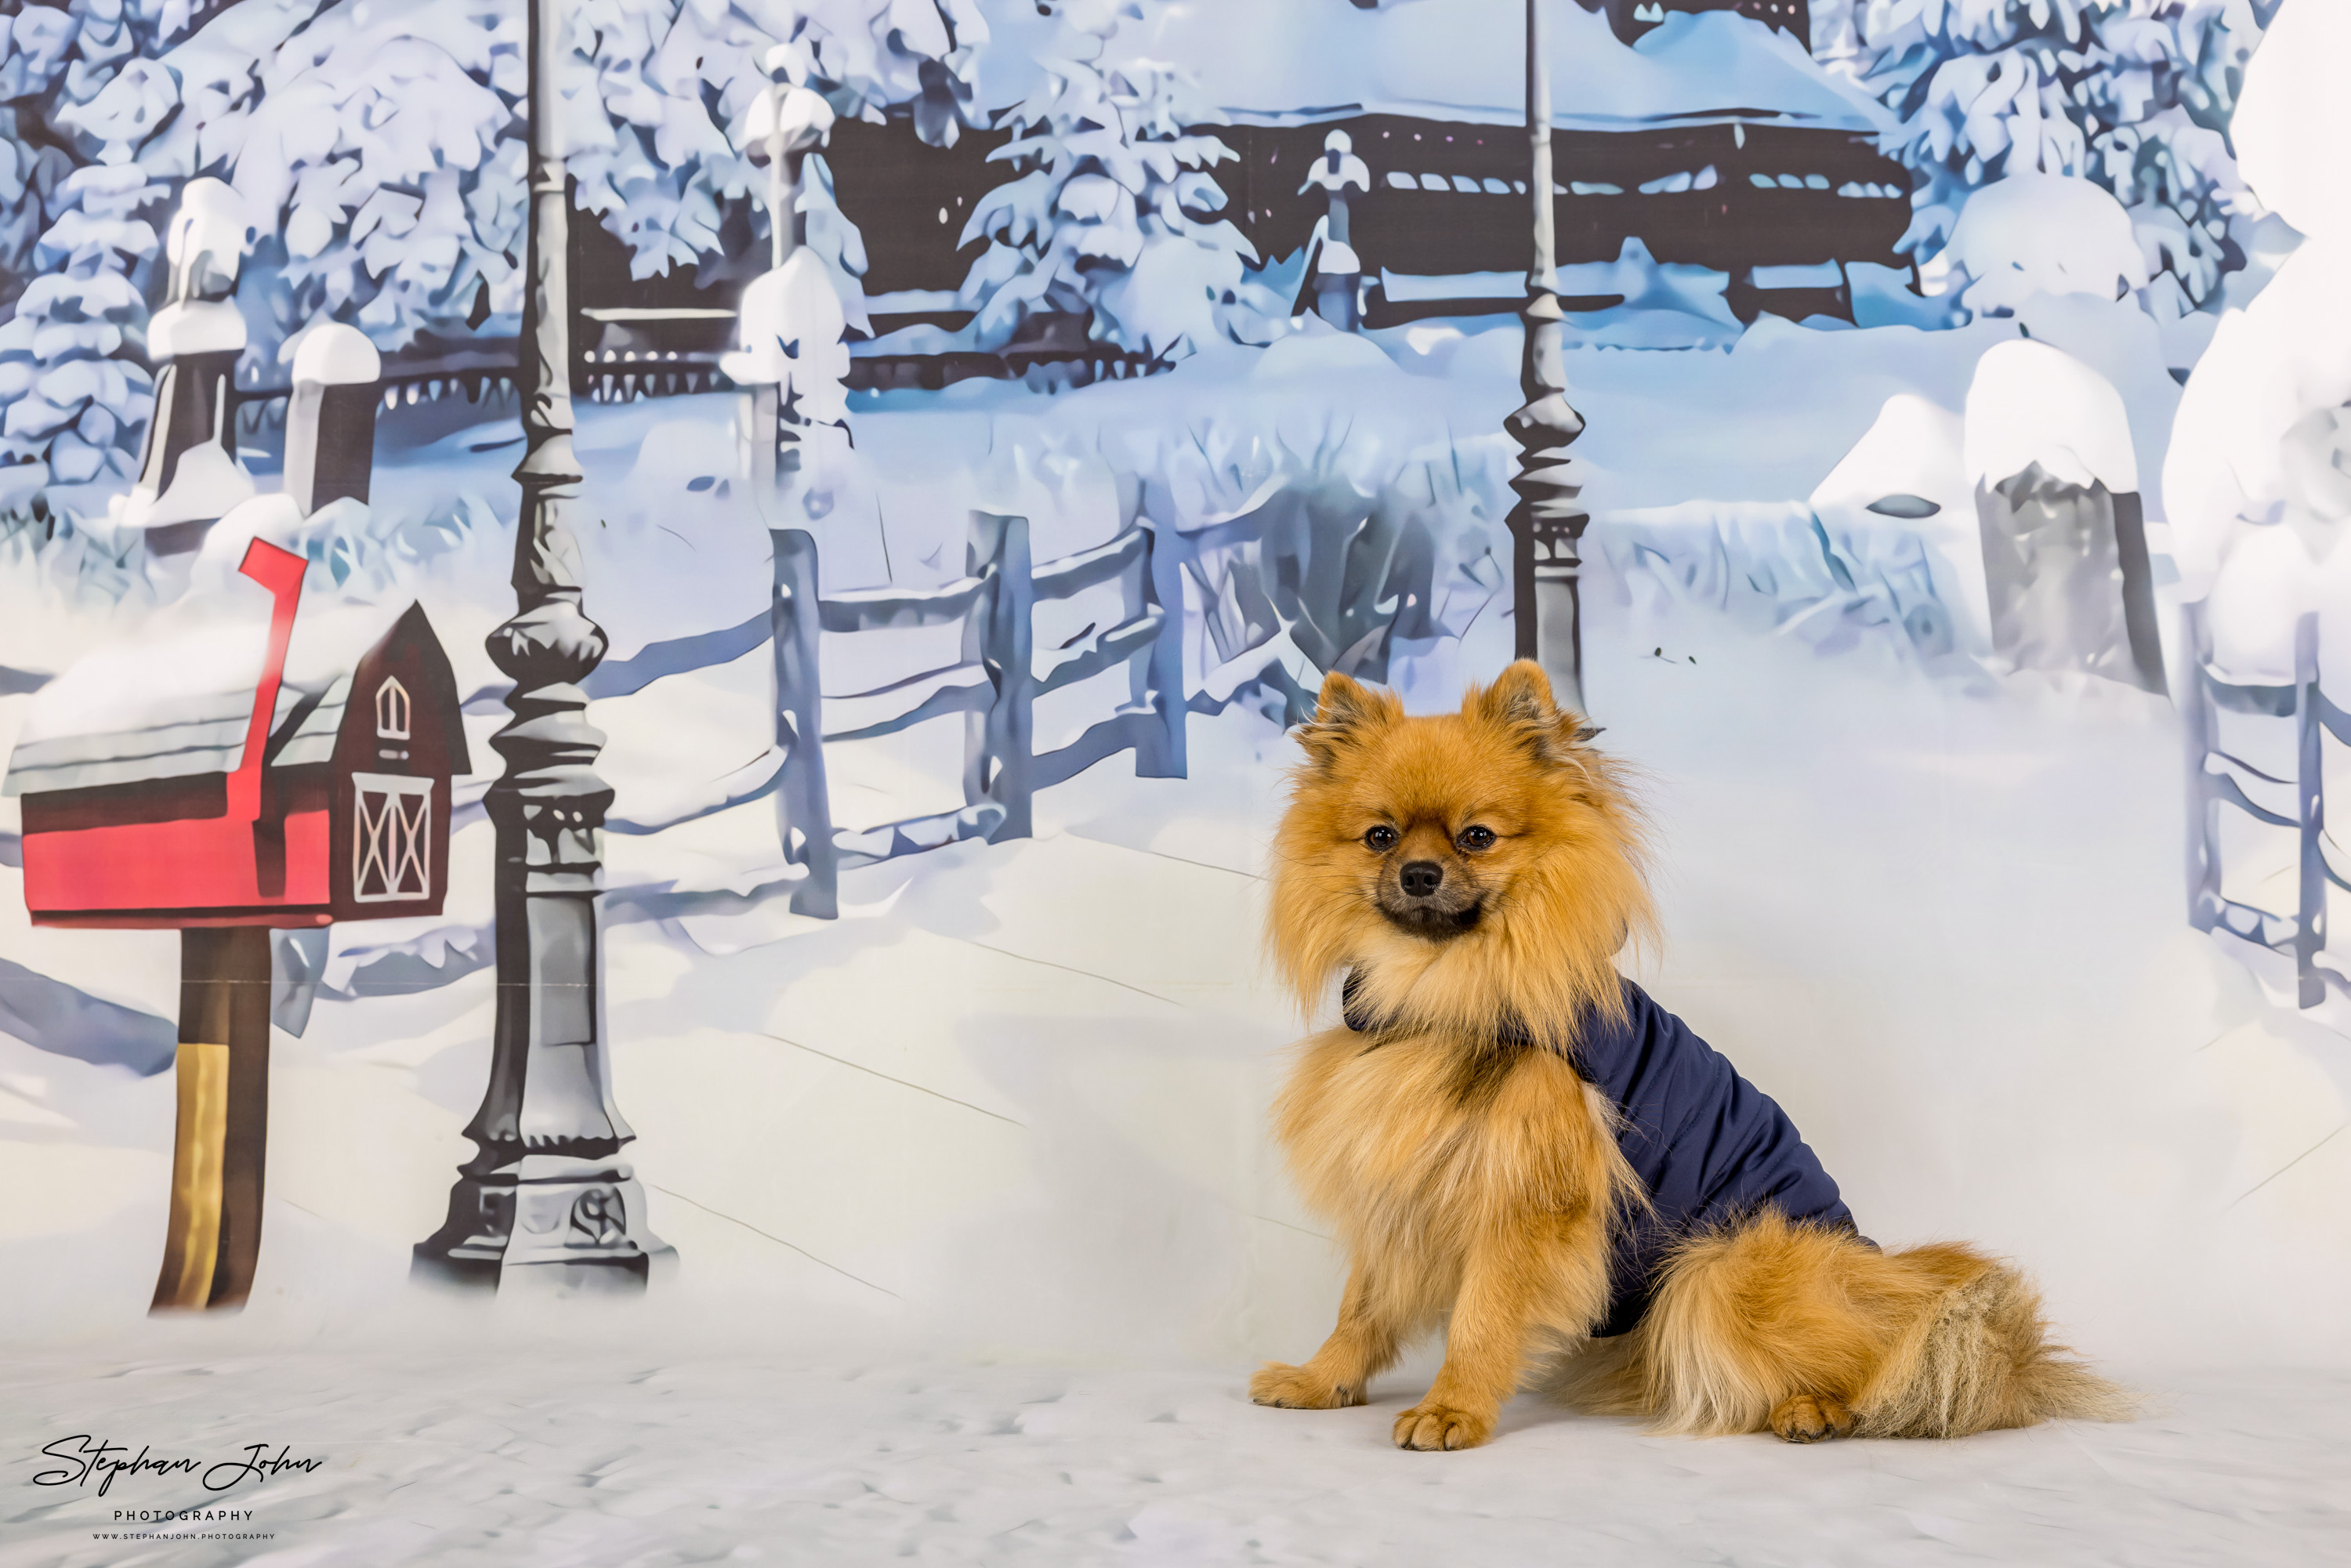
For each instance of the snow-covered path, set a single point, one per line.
(561, 1451)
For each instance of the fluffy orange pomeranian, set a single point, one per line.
(1515, 1142)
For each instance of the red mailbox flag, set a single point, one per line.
(280, 571)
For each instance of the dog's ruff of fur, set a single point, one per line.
(1474, 1182)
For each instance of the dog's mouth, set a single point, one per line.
(1433, 922)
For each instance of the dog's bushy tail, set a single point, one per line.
(1977, 1357)
(1934, 1342)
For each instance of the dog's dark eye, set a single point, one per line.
(1383, 839)
(1475, 839)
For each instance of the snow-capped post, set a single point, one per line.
(547, 1201)
(1338, 274)
(1547, 523)
(792, 367)
(330, 418)
(188, 473)
(790, 360)
(786, 124)
(2048, 449)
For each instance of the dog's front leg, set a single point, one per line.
(1361, 1346)
(1518, 1276)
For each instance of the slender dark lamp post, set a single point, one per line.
(1547, 523)
(547, 1200)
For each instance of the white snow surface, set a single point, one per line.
(2032, 404)
(196, 326)
(507, 1446)
(2288, 128)
(2264, 588)
(2254, 437)
(1404, 58)
(333, 354)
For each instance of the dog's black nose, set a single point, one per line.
(1421, 878)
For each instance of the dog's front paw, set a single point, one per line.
(1811, 1418)
(1295, 1388)
(1429, 1425)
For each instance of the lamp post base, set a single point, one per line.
(548, 1224)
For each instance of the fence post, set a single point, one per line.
(1163, 676)
(2196, 717)
(2310, 800)
(2140, 630)
(803, 807)
(756, 433)
(998, 744)
(188, 473)
(330, 417)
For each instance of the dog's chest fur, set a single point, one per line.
(1415, 1140)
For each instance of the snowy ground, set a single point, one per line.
(978, 1230)
(572, 1452)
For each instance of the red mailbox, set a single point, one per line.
(311, 788)
(228, 781)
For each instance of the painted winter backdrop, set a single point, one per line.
(1923, 873)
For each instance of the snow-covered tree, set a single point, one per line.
(2133, 95)
(77, 237)
(1111, 209)
(678, 80)
(77, 397)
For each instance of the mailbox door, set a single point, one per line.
(393, 756)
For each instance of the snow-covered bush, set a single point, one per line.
(2262, 438)
(2133, 95)
(1320, 529)
(2043, 234)
(1112, 210)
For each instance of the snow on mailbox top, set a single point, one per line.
(180, 707)
(259, 766)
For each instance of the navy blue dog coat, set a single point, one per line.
(1710, 1147)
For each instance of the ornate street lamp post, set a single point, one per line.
(547, 1199)
(1547, 523)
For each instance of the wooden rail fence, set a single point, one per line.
(995, 684)
(2215, 777)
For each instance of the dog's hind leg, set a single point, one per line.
(1812, 1334)
(1363, 1345)
(1771, 1325)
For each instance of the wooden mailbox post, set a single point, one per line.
(188, 784)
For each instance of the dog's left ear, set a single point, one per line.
(1519, 702)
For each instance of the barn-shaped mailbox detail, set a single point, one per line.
(239, 772)
(291, 774)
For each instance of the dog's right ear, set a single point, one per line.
(1344, 714)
